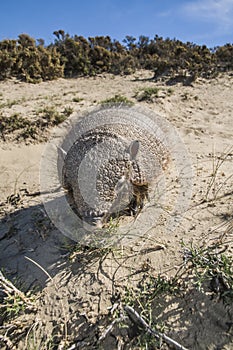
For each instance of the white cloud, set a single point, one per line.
(218, 12)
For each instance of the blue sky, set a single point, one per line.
(207, 22)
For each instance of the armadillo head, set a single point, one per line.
(131, 188)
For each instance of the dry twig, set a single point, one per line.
(136, 318)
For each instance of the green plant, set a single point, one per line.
(49, 116)
(185, 96)
(207, 269)
(209, 265)
(67, 111)
(25, 128)
(77, 99)
(112, 226)
(147, 94)
(13, 300)
(146, 341)
(30, 131)
(23, 59)
(10, 103)
(169, 59)
(117, 99)
(147, 290)
(142, 299)
(12, 123)
(13, 305)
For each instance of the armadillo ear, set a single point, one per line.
(133, 149)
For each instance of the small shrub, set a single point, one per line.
(13, 306)
(117, 99)
(68, 111)
(148, 94)
(26, 128)
(170, 92)
(31, 131)
(211, 267)
(49, 116)
(77, 99)
(12, 123)
(72, 56)
(185, 96)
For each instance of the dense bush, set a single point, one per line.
(72, 56)
(25, 60)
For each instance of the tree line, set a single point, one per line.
(71, 56)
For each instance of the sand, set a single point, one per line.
(86, 284)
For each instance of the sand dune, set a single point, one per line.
(88, 282)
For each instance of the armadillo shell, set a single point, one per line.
(101, 160)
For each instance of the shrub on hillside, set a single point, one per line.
(25, 60)
(78, 56)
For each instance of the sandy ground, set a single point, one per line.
(77, 298)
